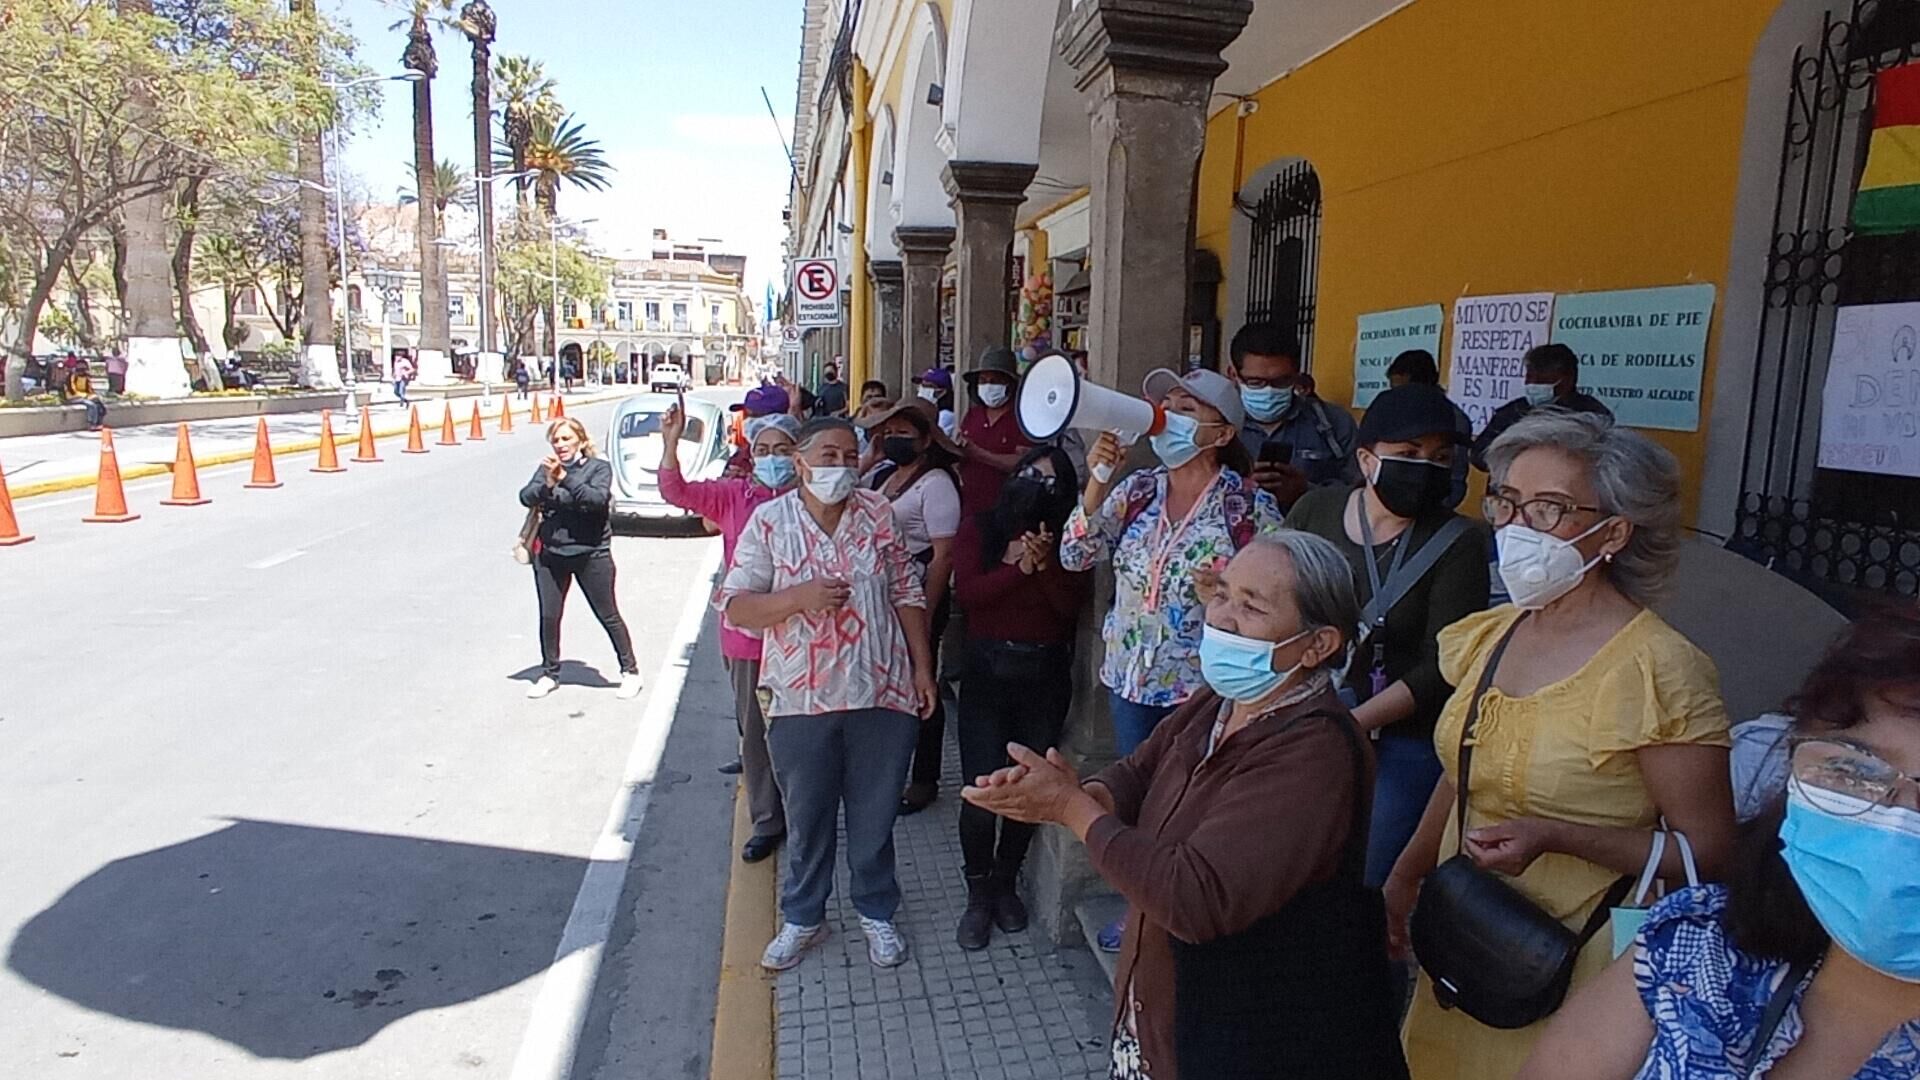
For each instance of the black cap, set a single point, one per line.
(1409, 412)
(994, 358)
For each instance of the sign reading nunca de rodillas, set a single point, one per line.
(816, 292)
(1642, 351)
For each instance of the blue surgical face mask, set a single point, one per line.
(1176, 444)
(1241, 668)
(1266, 403)
(1860, 873)
(774, 471)
(1538, 394)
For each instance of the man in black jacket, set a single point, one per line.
(1553, 381)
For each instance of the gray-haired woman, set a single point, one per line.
(1253, 950)
(1598, 721)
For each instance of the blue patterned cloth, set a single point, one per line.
(1707, 997)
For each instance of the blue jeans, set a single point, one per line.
(1133, 722)
(1404, 777)
(400, 390)
(852, 760)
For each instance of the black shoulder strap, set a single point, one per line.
(1465, 784)
(1403, 577)
(1776, 1012)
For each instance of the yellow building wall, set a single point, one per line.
(1493, 146)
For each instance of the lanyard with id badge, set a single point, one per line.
(1375, 633)
(1627, 921)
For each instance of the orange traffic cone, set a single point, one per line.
(186, 475)
(109, 497)
(416, 443)
(263, 476)
(559, 408)
(10, 533)
(366, 451)
(447, 437)
(329, 455)
(533, 414)
(506, 416)
(476, 431)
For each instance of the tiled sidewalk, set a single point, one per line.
(1019, 1010)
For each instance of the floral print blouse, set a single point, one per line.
(1706, 998)
(1152, 634)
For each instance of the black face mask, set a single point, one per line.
(1412, 488)
(900, 449)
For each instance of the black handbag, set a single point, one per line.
(1490, 951)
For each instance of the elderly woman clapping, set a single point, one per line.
(1237, 833)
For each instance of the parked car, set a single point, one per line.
(666, 377)
(633, 448)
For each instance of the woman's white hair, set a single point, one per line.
(1633, 478)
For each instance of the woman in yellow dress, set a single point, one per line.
(1600, 720)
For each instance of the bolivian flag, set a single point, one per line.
(1889, 199)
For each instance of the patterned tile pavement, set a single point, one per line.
(1019, 1010)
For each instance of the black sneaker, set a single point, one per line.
(732, 768)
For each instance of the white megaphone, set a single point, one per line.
(1053, 398)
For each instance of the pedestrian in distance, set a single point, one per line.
(79, 389)
(573, 491)
(117, 372)
(1022, 609)
(1418, 568)
(1167, 532)
(845, 675)
(1806, 963)
(915, 473)
(403, 372)
(1579, 721)
(1237, 834)
(729, 503)
(522, 380)
(831, 398)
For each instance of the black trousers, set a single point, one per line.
(553, 575)
(1002, 702)
(932, 743)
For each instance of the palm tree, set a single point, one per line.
(452, 185)
(526, 96)
(419, 56)
(477, 22)
(562, 152)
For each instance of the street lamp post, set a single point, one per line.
(553, 312)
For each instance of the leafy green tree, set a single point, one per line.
(523, 279)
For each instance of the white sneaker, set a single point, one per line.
(629, 685)
(885, 947)
(792, 942)
(542, 686)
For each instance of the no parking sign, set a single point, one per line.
(816, 293)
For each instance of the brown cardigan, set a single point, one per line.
(1206, 849)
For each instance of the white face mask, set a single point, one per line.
(1539, 568)
(831, 485)
(993, 395)
(928, 393)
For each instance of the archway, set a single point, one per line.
(880, 179)
(996, 79)
(919, 195)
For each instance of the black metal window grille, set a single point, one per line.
(1829, 528)
(1283, 267)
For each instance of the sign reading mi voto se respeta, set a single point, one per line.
(1490, 336)
(1870, 409)
(816, 293)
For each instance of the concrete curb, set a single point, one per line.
(231, 457)
(743, 1047)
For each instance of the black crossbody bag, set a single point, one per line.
(1490, 951)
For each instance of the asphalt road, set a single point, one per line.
(275, 805)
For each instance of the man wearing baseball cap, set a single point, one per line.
(936, 385)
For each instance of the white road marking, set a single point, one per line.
(272, 561)
(552, 1040)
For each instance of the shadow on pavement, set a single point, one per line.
(572, 673)
(292, 941)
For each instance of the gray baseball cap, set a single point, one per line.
(1209, 386)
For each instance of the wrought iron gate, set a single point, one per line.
(1283, 271)
(1857, 531)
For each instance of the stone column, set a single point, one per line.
(889, 279)
(1146, 70)
(923, 257)
(986, 196)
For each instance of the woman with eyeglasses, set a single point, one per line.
(1596, 719)
(1807, 962)
(1017, 684)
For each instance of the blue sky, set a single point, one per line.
(670, 88)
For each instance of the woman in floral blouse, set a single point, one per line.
(1168, 531)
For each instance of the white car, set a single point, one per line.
(665, 378)
(633, 447)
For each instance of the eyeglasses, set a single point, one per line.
(1543, 514)
(1843, 778)
(1282, 382)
